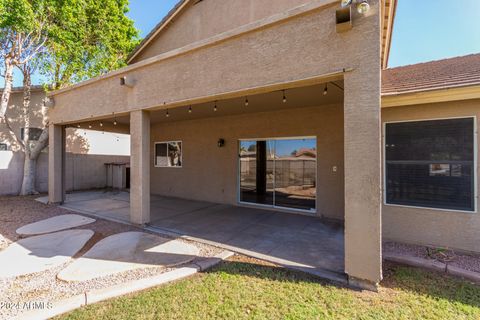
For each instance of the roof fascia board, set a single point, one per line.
(390, 23)
(433, 96)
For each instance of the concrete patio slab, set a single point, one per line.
(315, 245)
(128, 251)
(39, 253)
(54, 224)
(99, 205)
(118, 214)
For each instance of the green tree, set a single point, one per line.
(67, 41)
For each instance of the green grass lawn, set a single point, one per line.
(243, 289)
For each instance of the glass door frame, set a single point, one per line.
(260, 205)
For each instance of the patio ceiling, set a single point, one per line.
(296, 98)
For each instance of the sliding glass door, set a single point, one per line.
(279, 173)
(256, 172)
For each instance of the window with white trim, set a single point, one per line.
(168, 154)
(431, 164)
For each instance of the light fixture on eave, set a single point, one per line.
(190, 109)
(114, 119)
(246, 102)
(167, 114)
(325, 91)
(215, 109)
(284, 97)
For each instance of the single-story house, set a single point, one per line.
(222, 95)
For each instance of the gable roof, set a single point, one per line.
(435, 75)
(388, 16)
(158, 28)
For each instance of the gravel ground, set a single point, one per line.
(465, 261)
(44, 286)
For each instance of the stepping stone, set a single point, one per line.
(128, 251)
(40, 253)
(54, 224)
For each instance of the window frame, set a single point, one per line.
(155, 154)
(6, 146)
(475, 165)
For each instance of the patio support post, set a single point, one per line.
(140, 167)
(363, 193)
(56, 164)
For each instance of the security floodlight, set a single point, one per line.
(362, 6)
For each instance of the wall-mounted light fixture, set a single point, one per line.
(362, 6)
(127, 81)
(344, 14)
(221, 143)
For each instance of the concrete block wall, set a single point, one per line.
(84, 171)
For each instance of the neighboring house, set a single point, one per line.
(231, 81)
(84, 169)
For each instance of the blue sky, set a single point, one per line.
(425, 30)
(147, 13)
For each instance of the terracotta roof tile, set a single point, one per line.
(448, 73)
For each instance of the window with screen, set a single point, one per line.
(168, 154)
(3, 147)
(431, 164)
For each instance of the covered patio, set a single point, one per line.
(301, 242)
(231, 120)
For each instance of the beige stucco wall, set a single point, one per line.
(83, 171)
(210, 17)
(210, 173)
(459, 230)
(302, 46)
